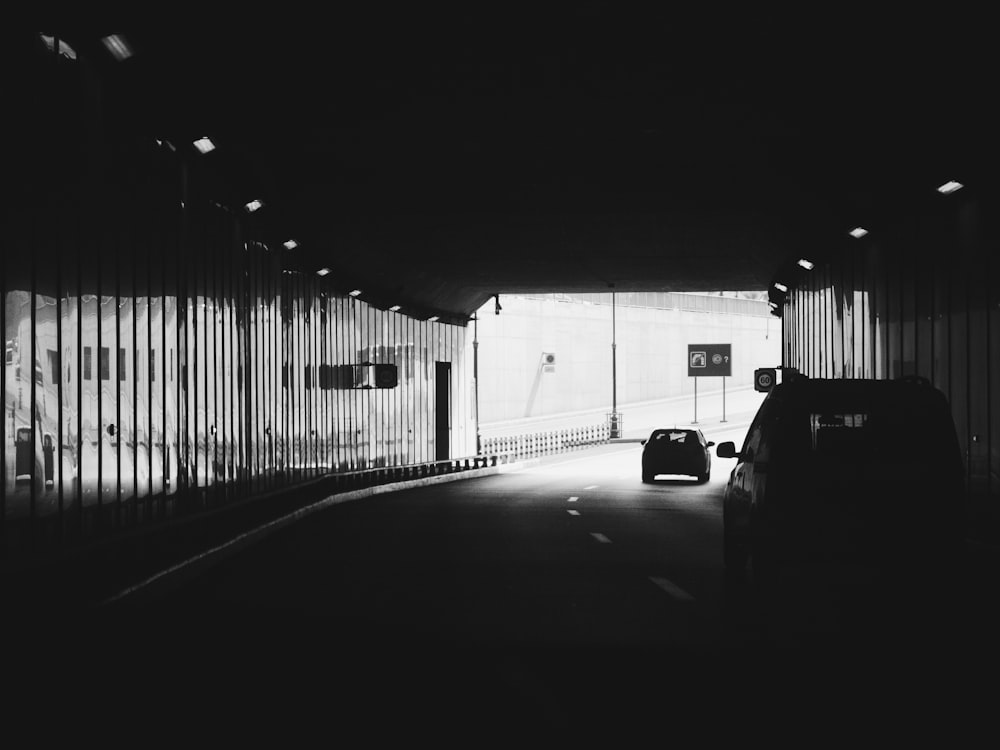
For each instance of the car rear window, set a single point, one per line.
(898, 430)
(840, 434)
(674, 437)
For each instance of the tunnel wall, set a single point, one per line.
(917, 296)
(162, 358)
(144, 379)
(651, 346)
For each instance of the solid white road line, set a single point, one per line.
(573, 499)
(573, 512)
(600, 537)
(671, 588)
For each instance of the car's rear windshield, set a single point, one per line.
(678, 437)
(878, 425)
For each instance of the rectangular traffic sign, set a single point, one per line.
(706, 360)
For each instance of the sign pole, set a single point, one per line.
(723, 398)
(695, 400)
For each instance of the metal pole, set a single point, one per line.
(723, 398)
(614, 373)
(695, 400)
(475, 377)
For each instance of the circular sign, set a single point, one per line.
(764, 380)
(716, 359)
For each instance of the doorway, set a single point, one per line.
(442, 410)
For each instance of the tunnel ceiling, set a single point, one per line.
(438, 158)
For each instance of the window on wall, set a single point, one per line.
(88, 372)
(53, 365)
(105, 363)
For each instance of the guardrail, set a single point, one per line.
(352, 480)
(546, 443)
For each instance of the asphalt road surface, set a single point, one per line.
(566, 596)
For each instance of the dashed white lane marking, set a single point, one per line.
(672, 588)
(600, 537)
(573, 512)
(591, 487)
(573, 499)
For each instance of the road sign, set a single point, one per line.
(764, 379)
(707, 360)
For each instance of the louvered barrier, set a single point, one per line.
(535, 444)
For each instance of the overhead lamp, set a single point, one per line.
(950, 187)
(780, 287)
(354, 292)
(432, 318)
(290, 244)
(774, 305)
(858, 232)
(806, 264)
(394, 308)
(204, 145)
(254, 205)
(64, 49)
(118, 47)
(323, 272)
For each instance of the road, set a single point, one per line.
(560, 592)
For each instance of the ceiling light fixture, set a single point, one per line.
(432, 318)
(290, 244)
(950, 187)
(354, 292)
(64, 49)
(204, 145)
(118, 47)
(323, 272)
(780, 287)
(394, 308)
(254, 205)
(858, 232)
(806, 264)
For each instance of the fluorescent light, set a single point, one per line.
(290, 244)
(432, 318)
(254, 205)
(354, 292)
(394, 308)
(806, 264)
(774, 305)
(950, 187)
(64, 49)
(780, 287)
(204, 145)
(118, 47)
(323, 272)
(858, 232)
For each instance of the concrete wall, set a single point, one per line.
(651, 352)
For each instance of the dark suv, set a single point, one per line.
(845, 470)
